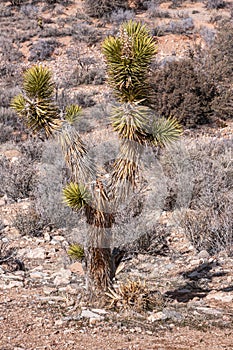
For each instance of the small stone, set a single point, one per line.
(94, 320)
(47, 237)
(203, 254)
(157, 317)
(14, 284)
(221, 296)
(37, 275)
(99, 311)
(36, 253)
(62, 277)
(58, 323)
(49, 290)
(90, 314)
(58, 238)
(77, 268)
(195, 262)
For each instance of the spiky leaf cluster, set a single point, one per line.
(72, 113)
(76, 196)
(36, 104)
(165, 131)
(131, 122)
(76, 251)
(128, 58)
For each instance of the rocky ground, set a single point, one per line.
(43, 306)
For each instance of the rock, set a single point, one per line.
(47, 237)
(165, 315)
(14, 277)
(91, 315)
(157, 317)
(36, 253)
(14, 284)
(37, 275)
(62, 277)
(221, 296)
(49, 290)
(195, 262)
(99, 311)
(58, 323)
(77, 268)
(203, 254)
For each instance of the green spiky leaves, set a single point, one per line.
(128, 58)
(165, 131)
(72, 113)
(131, 121)
(36, 104)
(38, 82)
(76, 196)
(76, 252)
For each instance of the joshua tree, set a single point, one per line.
(128, 57)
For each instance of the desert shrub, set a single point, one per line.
(32, 149)
(29, 223)
(208, 35)
(9, 122)
(51, 177)
(42, 50)
(215, 4)
(86, 72)
(200, 175)
(152, 242)
(217, 62)
(181, 26)
(17, 178)
(5, 133)
(29, 10)
(181, 91)
(101, 8)
(175, 3)
(84, 99)
(16, 2)
(122, 15)
(86, 33)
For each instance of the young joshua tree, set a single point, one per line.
(128, 57)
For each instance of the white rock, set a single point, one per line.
(14, 284)
(99, 311)
(91, 314)
(62, 277)
(36, 253)
(221, 296)
(47, 237)
(37, 275)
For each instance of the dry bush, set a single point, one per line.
(17, 178)
(136, 295)
(215, 4)
(29, 223)
(181, 91)
(51, 177)
(42, 50)
(86, 33)
(102, 8)
(207, 218)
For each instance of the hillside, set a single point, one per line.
(173, 289)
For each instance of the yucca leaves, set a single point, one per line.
(128, 58)
(131, 121)
(76, 155)
(76, 196)
(36, 105)
(76, 252)
(72, 113)
(38, 82)
(165, 131)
